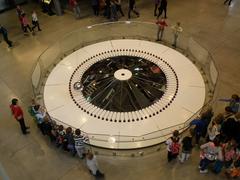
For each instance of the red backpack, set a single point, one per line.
(175, 146)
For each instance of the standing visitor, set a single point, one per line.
(213, 131)
(35, 22)
(186, 147)
(132, 8)
(74, 4)
(107, 12)
(60, 133)
(93, 165)
(210, 152)
(198, 125)
(18, 115)
(157, 2)
(119, 6)
(95, 6)
(113, 6)
(19, 12)
(177, 29)
(40, 113)
(163, 7)
(79, 143)
(68, 142)
(25, 23)
(206, 116)
(173, 146)
(4, 33)
(161, 25)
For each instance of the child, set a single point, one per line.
(19, 12)
(54, 131)
(47, 127)
(93, 165)
(210, 152)
(79, 143)
(161, 26)
(25, 23)
(60, 135)
(186, 146)
(177, 29)
(213, 131)
(173, 146)
(35, 22)
(39, 115)
(234, 172)
(229, 152)
(68, 142)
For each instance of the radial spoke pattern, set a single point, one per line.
(146, 84)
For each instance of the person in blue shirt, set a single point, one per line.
(199, 125)
(234, 103)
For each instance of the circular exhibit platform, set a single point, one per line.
(125, 94)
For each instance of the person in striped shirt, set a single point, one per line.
(79, 143)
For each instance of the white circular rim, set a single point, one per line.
(184, 96)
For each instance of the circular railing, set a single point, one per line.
(125, 30)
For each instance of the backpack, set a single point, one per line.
(175, 146)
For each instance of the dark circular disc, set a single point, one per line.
(123, 83)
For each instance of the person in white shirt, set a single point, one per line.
(177, 29)
(40, 113)
(35, 22)
(93, 165)
(213, 131)
(210, 152)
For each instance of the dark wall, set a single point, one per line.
(9, 4)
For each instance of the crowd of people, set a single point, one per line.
(218, 138)
(25, 25)
(67, 139)
(109, 8)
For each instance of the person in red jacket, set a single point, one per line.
(18, 115)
